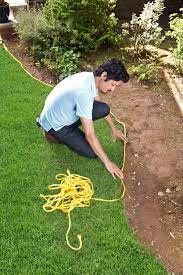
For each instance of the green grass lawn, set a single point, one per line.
(33, 241)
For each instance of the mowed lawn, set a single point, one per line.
(33, 241)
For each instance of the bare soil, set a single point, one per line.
(154, 168)
(154, 162)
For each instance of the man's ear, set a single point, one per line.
(104, 76)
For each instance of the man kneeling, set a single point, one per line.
(75, 101)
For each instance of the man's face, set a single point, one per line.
(109, 85)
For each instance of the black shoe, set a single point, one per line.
(37, 122)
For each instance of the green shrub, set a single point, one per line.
(144, 29)
(56, 34)
(33, 29)
(176, 32)
(39, 37)
(34, 33)
(62, 62)
(144, 72)
(85, 24)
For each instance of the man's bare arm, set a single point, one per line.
(108, 118)
(116, 134)
(97, 148)
(97, 98)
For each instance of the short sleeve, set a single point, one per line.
(84, 105)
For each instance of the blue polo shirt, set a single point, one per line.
(71, 99)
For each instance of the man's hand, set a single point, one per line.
(97, 148)
(113, 169)
(117, 134)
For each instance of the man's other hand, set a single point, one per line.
(117, 134)
(113, 169)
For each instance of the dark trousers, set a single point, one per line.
(74, 137)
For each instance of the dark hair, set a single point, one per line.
(115, 70)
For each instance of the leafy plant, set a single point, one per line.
(144, 72)
(144, 29)
(61, 61)
(41, 41)
(33, 30)
(56, 34)
(85, 24)
(176, 32)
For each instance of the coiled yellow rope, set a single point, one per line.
(75, 190)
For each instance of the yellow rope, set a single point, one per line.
(24, 68)
(75, 190)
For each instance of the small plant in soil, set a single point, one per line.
(176, 32)
(144, 29)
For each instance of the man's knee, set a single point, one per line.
(89, 154)
(92, 156)
(106, 109)
(100, 110)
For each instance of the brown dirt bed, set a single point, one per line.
(154, 162)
